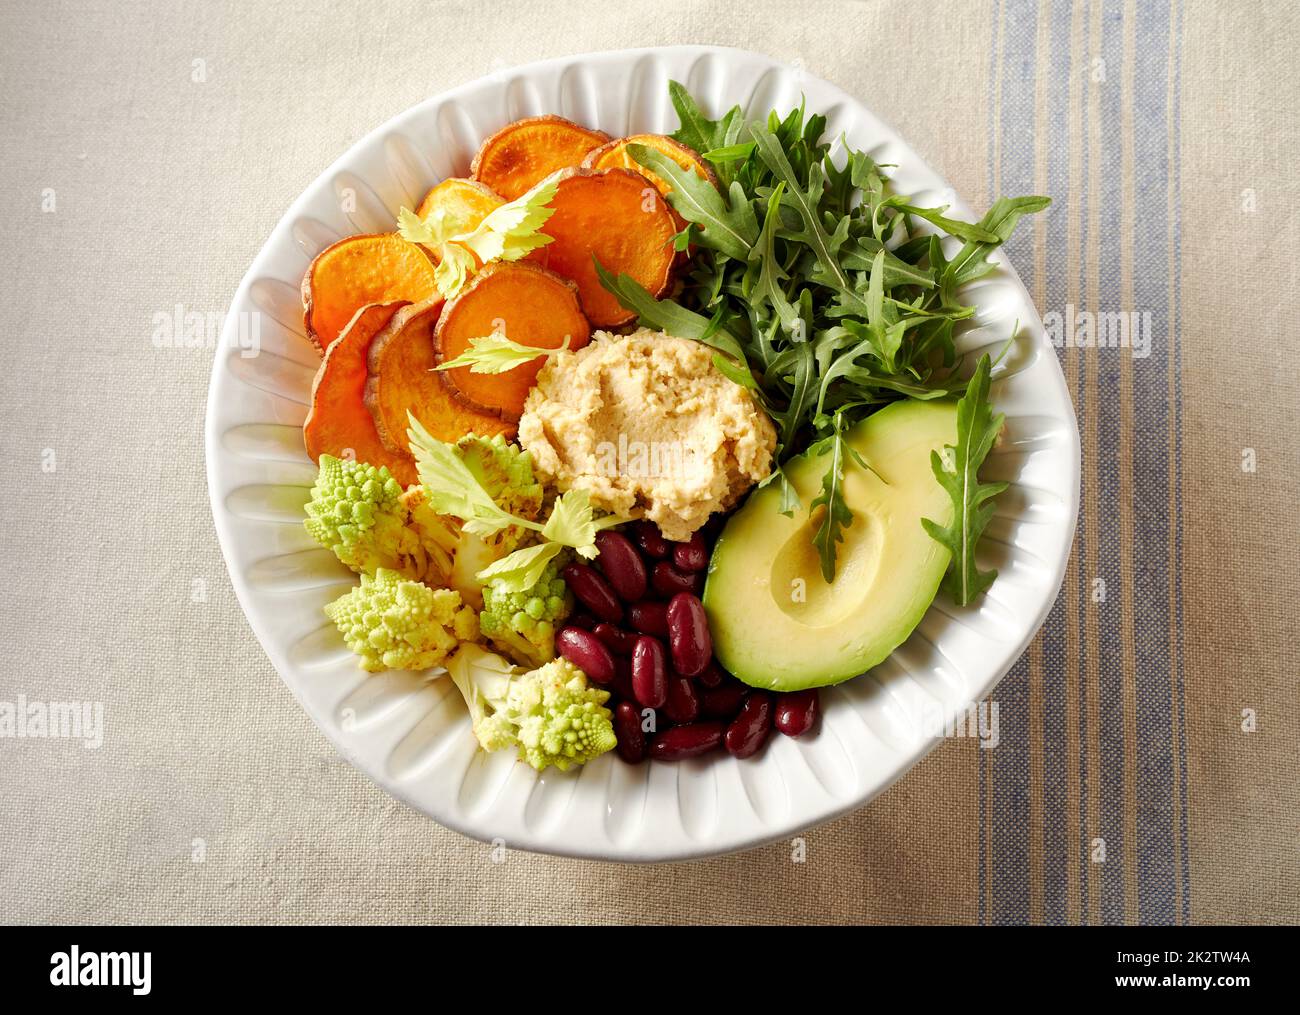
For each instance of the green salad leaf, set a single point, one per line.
(496, 354)
(836, 516)
(573, 523)
(730, 224)
(958, 472)
(820, 290)
(522, 569)
(453, 488)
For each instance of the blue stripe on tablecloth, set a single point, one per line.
(1009, 761)
(1106, 498)
(1161, 776)
(981, 777)
(1055, 747)
(1080, 201)
(1176, 328)
(1157, 877)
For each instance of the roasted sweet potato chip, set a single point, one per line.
(530, 306)
(401, 379)
(615, 155)
(338, 422)
(345, 276)
(460, 205)
(526, 151)
(618, 217)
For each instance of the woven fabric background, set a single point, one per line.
(1146, 764)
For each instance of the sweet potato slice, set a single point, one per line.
(615, 155)
(618, 217)
(524, 152)
(401, 379)
(338, 422)
(529, 305)
(461, 204)
(345, 276)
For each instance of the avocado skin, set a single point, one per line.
(888, 568)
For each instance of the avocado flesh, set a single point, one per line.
(775, 622)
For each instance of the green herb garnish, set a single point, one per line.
(496, 354)
(837, 515)
(453, 488)
(977, 428)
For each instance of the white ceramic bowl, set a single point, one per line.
(410, 731)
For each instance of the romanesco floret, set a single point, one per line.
(392, 623)
(355, 510)
(506, 472)
(550, 714)
(360, 512)
(523, 624)
(438, 538)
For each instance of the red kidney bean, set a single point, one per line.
(682, 704)
(622, 565)
(796, 712)
(649, 672)
(692, 555)
(591, 589)
(582, 619)
(688, 635)
(621, 685)
(617, 640)
(650, 539)
(587, 652)
(667, 581)
(749, 730)
(723, 702)
(649, 617)
(627, 727)
(712, 675)
(689, 741)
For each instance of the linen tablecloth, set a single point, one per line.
(1145, 764)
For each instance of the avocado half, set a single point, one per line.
(776, 623)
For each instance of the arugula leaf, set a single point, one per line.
(935, 216)
(787, 496)
(861, 255)
(671, 317)
(977, 429)
(495, 354)
(1000, 220)
(729, 153)
(805, 198)
(837, 515)
(726, 226)
(734, 372)
(697, 130)
(801, 361)
(663, 315)
(766, 269)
